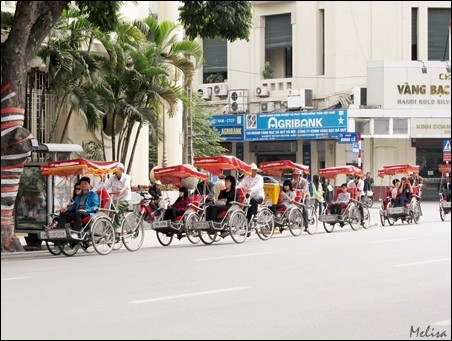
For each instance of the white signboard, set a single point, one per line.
(430, 127)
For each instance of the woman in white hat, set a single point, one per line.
(254, 184)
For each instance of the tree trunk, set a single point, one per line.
(132, 153)
(66, 125)
(32, 22)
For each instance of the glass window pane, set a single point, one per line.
(381, 126)
(278, 31)
(438, 32)
(400, 126)
(362, 126)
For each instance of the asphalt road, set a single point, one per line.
(380, 283)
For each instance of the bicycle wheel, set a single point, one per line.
(132, 231)
(370, 202)
(295, 221)
(69, 248)
(103, 235)
(192, 235)
(206, 237)
(53, 248)
(416, 213)
(382, 219)
(442, 214)
(312, 220)
(87, 246)
(354, 218)
(164, 239)
(238, 226)
(265, 225)
(366, 218)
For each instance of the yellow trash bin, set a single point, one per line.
(272, 192)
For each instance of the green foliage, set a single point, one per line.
(7, 20)
(92, 150)
(206, 141)
(268, 71)
(215, 78)
(230, 20)
(101, 13)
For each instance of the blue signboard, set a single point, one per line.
(295, 125)
(446, 146)
(230, 127)
(347, 138)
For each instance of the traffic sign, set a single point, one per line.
(446, 151)
(347, 138)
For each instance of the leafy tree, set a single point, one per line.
(230, 20)
(31, 24)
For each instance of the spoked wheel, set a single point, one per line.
(295, 221)
(192, 235)
(366, 219)
(69, 248)
(164, 239)
(382, 219)
(265, 225)
(238, 227)
(391, 220)
(370, 202)
(132, 231)
(103, 235)
(313, 222)
(329, 227)
(442, 214)
(53, 248)
(118, 242)
(207, 237)
(354, 218)
(416, 213)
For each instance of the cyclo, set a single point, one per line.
(234, 219)
(97, 231)
(351, 211)
(410, 211)
(166, 229)
(444, 200)
(291, 216)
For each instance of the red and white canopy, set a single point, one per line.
(217, 164)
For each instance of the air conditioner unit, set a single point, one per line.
(238, 101)
(267, 106)
(301, 101)
(205, 91)
(359, 96)
(262, 91)
(220, 90)
(294, 92)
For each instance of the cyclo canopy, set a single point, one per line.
(78, 167)
(332, 172)
(175, 174)
(217, 164)
(275, 168)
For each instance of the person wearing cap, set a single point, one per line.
(85, 204)
(416, 180)
(119, 185)
(254, 184)
(156, 192)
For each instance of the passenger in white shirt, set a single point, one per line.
(254, 184)
(119, 184)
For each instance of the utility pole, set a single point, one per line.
(188, 128)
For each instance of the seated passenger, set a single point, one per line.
(254, 184)
(225, 199)
(299, 182)
(406, 192)
(287, 196)
(342, 199)
(179, 207)
(75, 192)
(85, 204)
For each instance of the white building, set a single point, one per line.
(355, 57)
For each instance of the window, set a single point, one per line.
(381, 126)
(216, 56)
(414, 33)
(362, 126)
(438, 33)
(278, 44)
(400, 126)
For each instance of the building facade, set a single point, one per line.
(334, 67)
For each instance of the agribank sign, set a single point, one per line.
(403, 85)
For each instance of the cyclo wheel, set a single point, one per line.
(53, 248)
(103, 235)
(132, 231)
(354, 218)
(382, 217)
(265, 225)
(164, 239)
(366, 218)
(442, 214)
(295, 221)
(416, 213)
(370, 202)
(238, 226)
(69, 248)
(206, 237)
(313, 222)
(192, 235)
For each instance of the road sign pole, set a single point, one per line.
(359, 151)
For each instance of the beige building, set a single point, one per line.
(352, 57)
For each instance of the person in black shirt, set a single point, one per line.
(225, 199)
(156, 192)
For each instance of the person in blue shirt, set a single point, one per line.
(85, 204)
